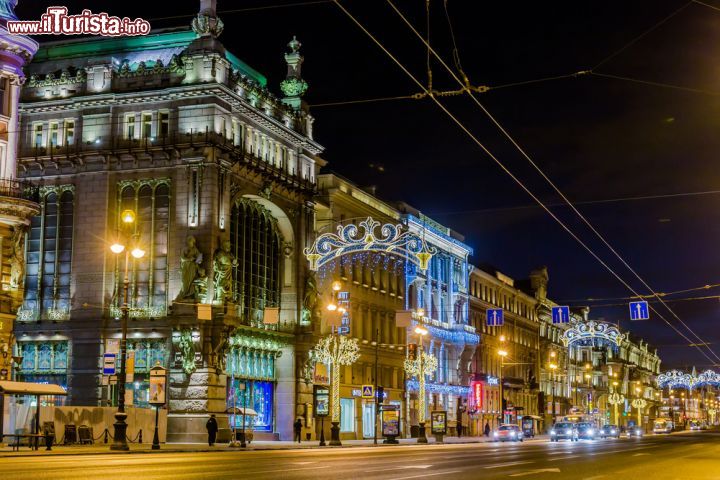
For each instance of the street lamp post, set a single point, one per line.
(553, 367)
(615, 399)
(503, 353)
(423, 365)
(120, 426)
(639, 403)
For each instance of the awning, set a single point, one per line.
(29, 388)
(243, 411)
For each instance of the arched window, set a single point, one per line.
(49, 257)
(255, 242)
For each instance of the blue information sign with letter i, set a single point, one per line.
(494, 317)
(639, 311)
(560, 314)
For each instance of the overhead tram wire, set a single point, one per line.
(247, 9)
(662, 294)
(504, 168)
(549, 181)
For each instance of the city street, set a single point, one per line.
(678, 456)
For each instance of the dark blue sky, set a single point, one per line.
(596, 137)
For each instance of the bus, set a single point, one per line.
(663, 425)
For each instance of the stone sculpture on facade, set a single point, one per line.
(310, 300)
(17, 258)
(192, 273)
(187, 350)
(223, 264)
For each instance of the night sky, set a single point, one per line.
(598, 138)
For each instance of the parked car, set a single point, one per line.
(564, 430)
(508, 432)
(609, 431)
(586, 430)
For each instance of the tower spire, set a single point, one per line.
(207, 23)
(294, 87)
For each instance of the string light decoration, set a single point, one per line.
(591, 333)
(675, 379)
(424, 365)
(336, 350)
(459, 390)
(639, 403)
(362, 238)
(616, 399)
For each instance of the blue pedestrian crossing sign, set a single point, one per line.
(639, 311)
(494, 317)
(368, 391)
(560, 314)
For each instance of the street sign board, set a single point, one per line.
(322, 400)
(438, 422)
(494, 317)
(560, 314)
(368, 391)
(109, 364)
(639, 311)
(158, 385)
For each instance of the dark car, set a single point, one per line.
(566, 430)
(586, 430)
(634, 431)
(610, 431)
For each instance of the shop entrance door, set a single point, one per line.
(368, 419)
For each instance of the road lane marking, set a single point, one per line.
(534, 472)
(560, 453)
(506, 464)
(426, 475)
(286, 470)
(564, 458)
(639, 454)
(303, 463)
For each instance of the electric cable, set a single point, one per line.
(248, 9)
(502, 166)
(549, 181)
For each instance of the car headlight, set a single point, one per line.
(568, 431)
(613, 432)
(590, 431)
(495, 434)
(552, 432)
(512, 434)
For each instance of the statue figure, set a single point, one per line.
(190, 260)
(310, 300)
(17, 257)
(187, 348)
(223, 265)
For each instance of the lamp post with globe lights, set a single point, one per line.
(425, 364)
(615, 399)
(127, 243)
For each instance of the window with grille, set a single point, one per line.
(255, 242)
(49, 257)
(150, 199)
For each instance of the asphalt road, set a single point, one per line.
(685, 456)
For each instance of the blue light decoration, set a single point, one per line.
(362, 238)
(453, 336)
(675, 379)
(680, 379)
(441, 388)
(592, 333)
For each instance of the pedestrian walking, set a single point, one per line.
(212, 428)
(487, 429)
(298, 429)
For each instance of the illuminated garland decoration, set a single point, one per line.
(452, 336)
(708, 377)
(459, 390)
(676, 378)
(337, 351)
(587, 333)
(351, 239)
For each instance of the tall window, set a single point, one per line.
(69, 132)
(147, 125)
(150, 199)
(49, 257)
(38, 134)
(130, 126)
(54, 132)
(255, 242)
(164, 121)
(347, 415)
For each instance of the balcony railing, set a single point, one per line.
(19, 189)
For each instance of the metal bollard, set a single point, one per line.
(140, 437)
(106, 435)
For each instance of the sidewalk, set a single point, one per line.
(102, 448)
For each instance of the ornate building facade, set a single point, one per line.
(18, 200)
(221, 175)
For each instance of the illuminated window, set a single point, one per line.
(38, 129)
(347, 415)
(130, 126)
(146, 125)
(69, 132)
(255, 242)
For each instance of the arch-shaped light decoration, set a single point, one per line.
(591, 331)
(362, 238)
(676, 378)
(708, 377)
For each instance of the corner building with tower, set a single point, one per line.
(220, 173)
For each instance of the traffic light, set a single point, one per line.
(412, 351)
(380, 394)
